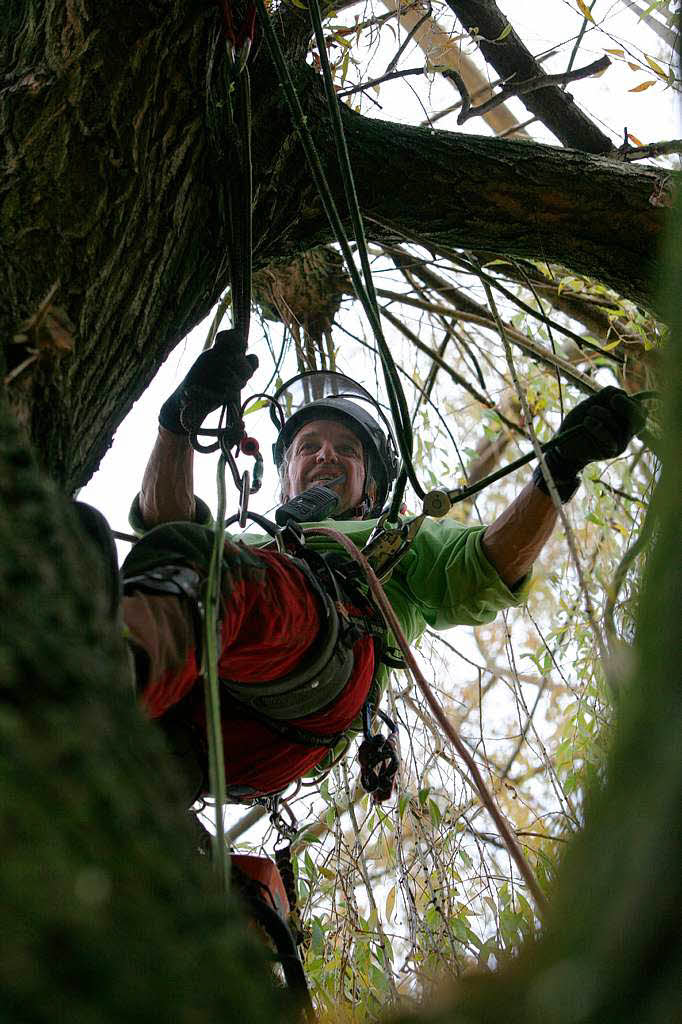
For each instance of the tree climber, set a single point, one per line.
(300, 645)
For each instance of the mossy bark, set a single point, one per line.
(107, 913)
(112, 184)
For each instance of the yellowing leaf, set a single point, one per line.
(655, 67)
(584, 10)
(636, 141)
(643, 85)
(618, 53)
(390, 903)
(611, 345)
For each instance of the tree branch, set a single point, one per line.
(521, 88)
(511, 59)
(377, 81)
(651, 150)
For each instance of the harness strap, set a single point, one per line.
(289, 731)
(323, 674)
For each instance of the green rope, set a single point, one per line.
(394, 388)
(212, 625)
(243, 200)
(393, 385)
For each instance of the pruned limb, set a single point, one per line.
(377, 81)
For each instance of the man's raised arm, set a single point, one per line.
(605, 424)
(215, 379)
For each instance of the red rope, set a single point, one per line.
(391, 620)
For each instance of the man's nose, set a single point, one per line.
(327, 452)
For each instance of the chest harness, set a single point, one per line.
(346, 614)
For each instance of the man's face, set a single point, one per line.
(323, 450)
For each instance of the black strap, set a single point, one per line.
(287, 730)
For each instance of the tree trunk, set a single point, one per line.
(111, 200)
(107, 913)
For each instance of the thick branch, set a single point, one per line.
(529, 200)
(512, 60)
(114, 156)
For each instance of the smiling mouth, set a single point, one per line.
(328, 481)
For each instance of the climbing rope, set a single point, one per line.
(239, 244)
(393, 624)
(216, 759)
(394, 389)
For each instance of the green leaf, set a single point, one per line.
(655, 67)
(317, 937)
(459, 929)
(344, 66)
(309, 866)
(435, 813)
(466, 859)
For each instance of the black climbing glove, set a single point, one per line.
(216, 379)
(608, 421)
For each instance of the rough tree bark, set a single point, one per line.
(110, 200)
(107, 913)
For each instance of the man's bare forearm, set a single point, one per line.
(167, 492)
(518, 535)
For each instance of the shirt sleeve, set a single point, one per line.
(450, 579)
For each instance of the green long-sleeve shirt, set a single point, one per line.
(444, 580)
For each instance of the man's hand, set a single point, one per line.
(216, 379)
(607, 423)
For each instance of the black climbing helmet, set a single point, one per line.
(327, 395)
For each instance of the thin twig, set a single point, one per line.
(449, 731)
(439, 361)
(531, 347)
(377, 81)
(362, 866)
(413, 31)
(547, 476)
